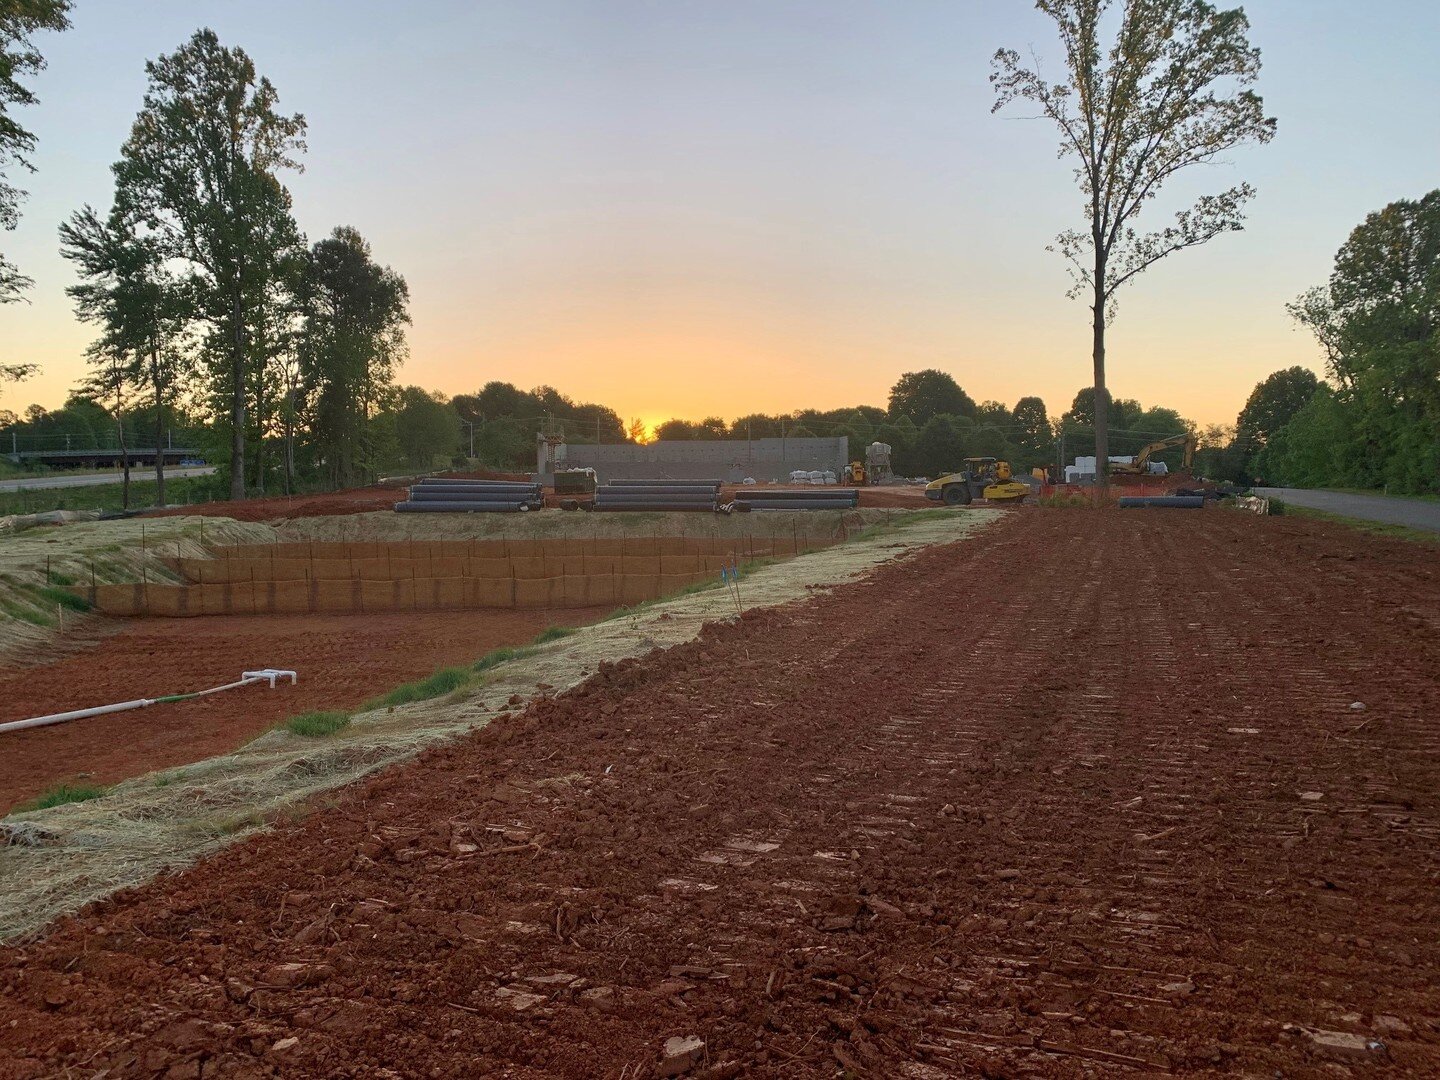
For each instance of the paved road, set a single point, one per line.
(45, 483)
(1415, 513)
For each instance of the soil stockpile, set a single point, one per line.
(342, 660)
(1086, 795)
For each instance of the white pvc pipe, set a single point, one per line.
(76, 714)
(246, 678)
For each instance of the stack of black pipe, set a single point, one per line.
(442, 495)
(812, 498)
(658, 495)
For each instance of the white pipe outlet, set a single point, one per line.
(247, 678)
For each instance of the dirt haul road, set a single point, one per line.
(1083, 796)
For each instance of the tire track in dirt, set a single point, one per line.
(1040, 803)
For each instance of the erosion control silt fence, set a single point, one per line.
(353, 578)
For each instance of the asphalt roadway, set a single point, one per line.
(1415, 513)
(45, 483)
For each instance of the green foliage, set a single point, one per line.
(427, 427)
(353, 337)
(316, 725)
(19, 57)
(199, 174)
(63, 794)
(64, 598)
(1378, 322)
(1032, 434)
(1170, 93)
(923, 395)
(553, 633)
(506, 419)
(1273, 404)
(439, 684)
(496, 657)
(941, 446)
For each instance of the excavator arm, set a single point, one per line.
(1141, 463)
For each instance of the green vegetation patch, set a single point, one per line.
(441, 683)
(553, 633)
(496, 657)
(315, 725)
(64, 793)
(65, 598)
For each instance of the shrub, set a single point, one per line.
(496, 657)
(316, 724)
(65, 599)
(437, 685)
(553, 633)
(65, 793)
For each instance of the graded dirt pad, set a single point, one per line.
(1084, 796)
(342, 660)
(281, 507)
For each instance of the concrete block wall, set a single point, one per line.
(723, 459)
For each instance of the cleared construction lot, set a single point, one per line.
(1089, 793)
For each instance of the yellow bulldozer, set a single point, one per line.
(985, 478)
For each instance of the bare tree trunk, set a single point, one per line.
(237, 404)
(124, 453)
(1102, 396)
(290, 440)
(159, 428)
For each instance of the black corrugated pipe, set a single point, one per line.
(1175, 502)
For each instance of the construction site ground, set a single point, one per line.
(1093, 793)
(343, 660)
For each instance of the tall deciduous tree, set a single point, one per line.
(1032, 427)
(199, 169)
(126, 290)
(1273, 404)
(357, 311)
(1172, 91)
(427, 427)
(921, 395)
(1378, 321)
(19, 21)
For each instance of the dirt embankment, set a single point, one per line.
(871, 832)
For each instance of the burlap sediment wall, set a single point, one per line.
(434, 576)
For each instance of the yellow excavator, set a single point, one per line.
(985, 478)
(1141, 465)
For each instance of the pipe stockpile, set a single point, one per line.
(1174, 502)
(445, 495)
(713, 485)
(658, 495)
(816, 498)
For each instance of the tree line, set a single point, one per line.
(1374, 422)
(212, 310)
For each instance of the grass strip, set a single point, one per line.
(62, 794)
(316, 725)
(1374, 528)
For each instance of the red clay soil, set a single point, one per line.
(353, 501)
(1084, 796)
(342, 660)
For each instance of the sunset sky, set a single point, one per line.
(684, 208)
